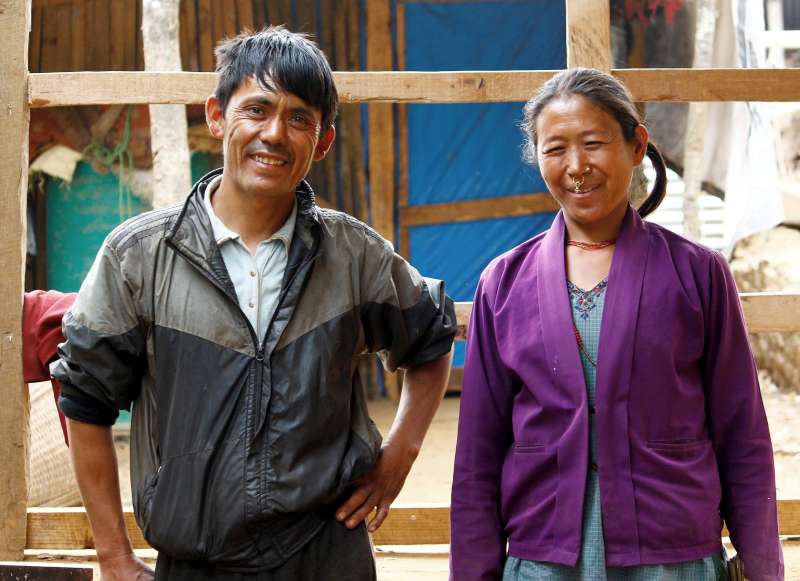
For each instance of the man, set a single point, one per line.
(233, 324)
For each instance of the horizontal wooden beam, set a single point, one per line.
(763, 312)
(121, 87)
(771, 312)
(16, 571)
(465, 211)
(68, 529)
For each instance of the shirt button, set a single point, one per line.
(593, 465)
(252, 305)
(252, 273)
(591, 409)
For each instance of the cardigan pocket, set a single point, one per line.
(677, 446)
(528, 448)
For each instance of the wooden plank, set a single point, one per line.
(117, 39)
(381, 143)
(217, 20)
(14, 426)
(306, 18)
(402, 125)
(11, 571)
(78, 19)
(101, 42)
(589, 34)
(280, 12)
(356, 143)
(771, 312)
(187, 27)
(206, 48)
(68, 528)
(468, 210)
(139, 41)
(230, 25)
(64, 37)
(49, 40)
(456, 379)
(336, 42)
(244, 15)
(53, 90)
(381, 122)
(129, 27)
(36, 40)
(259, 14)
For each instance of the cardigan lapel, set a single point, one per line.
(563, 358)
(615, 362)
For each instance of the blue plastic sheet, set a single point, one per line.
(473, 151)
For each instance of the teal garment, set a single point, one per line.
(587, 313)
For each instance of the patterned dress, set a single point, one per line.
(587, 313)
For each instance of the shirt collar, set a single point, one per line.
(224, 234)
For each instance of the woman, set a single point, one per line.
(614, 450)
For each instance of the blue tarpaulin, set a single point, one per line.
(473, 151)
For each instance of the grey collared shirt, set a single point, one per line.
(256, 278)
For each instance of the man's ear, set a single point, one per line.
(324, 144)
(215, 118)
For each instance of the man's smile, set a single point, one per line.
(269, 160)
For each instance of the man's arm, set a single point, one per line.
(95, 462)
(423, 390)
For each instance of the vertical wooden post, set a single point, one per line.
(589, 34)
(168, 126)
(381, 121)
(15, 21)
(381, 139)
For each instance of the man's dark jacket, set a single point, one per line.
(237, 447)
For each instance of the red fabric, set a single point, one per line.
(41, 334)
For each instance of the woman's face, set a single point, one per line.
(579, 140)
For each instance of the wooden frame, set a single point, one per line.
(68, 528)
(65, 528)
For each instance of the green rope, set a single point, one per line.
(121, 156)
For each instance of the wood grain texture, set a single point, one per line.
(78, 18)
(770, 312)
(45, 572)
(206, 42)
(91, 88)
(245, 15)
(68, 528)
(14, 427)
(589, 34)
(118, 38)
(381, 122)
(468, 210)
(36, 40)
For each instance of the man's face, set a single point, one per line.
(269, 139)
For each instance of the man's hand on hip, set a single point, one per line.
(378, 488)
(126, 567)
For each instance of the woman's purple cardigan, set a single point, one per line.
(682, 437)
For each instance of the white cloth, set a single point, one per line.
(257, 279)
(740, 153)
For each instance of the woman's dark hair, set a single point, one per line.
(279, 60)
(608, 93)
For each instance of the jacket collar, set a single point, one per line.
(193, 236)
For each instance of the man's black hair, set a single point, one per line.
(279, 60)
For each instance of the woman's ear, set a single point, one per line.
(215, 118)
(640, 137)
